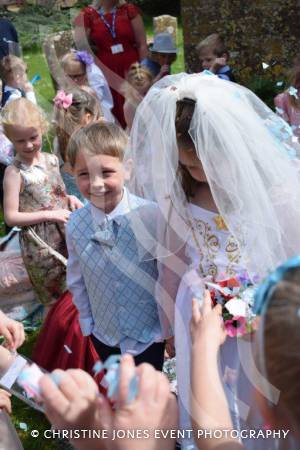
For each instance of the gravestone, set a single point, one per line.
(55, 46)
(166, 23)
(256, 32)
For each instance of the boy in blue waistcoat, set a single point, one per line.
(112, 287)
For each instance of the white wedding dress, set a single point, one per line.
(213, 251)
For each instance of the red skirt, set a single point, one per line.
(61, 328)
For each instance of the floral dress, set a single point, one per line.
(43, 245)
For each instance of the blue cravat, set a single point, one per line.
(106, 233)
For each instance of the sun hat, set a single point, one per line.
(163, 43)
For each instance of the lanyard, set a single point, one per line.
(111, 29)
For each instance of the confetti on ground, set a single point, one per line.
(68, 350)
(23, 426)
(279, 83)
(265, 65)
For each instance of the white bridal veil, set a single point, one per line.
(249, 157)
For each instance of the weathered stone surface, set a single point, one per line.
(165, 23)
(255, 31)
(55, 46)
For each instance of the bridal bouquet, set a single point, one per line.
(236, 295)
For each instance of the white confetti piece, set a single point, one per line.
(23, 426)
(68, 350)
(265, 65)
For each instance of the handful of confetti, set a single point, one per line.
(110, 381)
(236, 295)
(29, 380)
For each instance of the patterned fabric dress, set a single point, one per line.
(43, 245)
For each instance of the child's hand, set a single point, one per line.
(164, 70)
(217, 64)
(27, 86)
(207, 326)
(12, 331)
(71, 402)
(5, 401)
(58, 215)
(74, 202)
(154, 407)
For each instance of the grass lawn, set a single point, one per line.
(45, 93)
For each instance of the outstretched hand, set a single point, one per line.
(207, 325)
(153, 408)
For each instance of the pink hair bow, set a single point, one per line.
(63, 100)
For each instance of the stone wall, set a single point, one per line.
(255, 31)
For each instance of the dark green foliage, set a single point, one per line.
(265, 89)
(158, 7)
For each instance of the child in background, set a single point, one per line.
(113, 289)
(277, 301)
(288, 104)
(15, 82)
(161, 56)
(72, 108)
(35, 200)
(79, 66)
(214, 56)
(208, 131)
(138, 82)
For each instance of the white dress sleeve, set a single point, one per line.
(98, 83)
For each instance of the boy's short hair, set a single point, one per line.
(11, 64)
(214, 43)
(98, 138)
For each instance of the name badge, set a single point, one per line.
(118, 48)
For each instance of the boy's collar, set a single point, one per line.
(224, 69)
(121, 209)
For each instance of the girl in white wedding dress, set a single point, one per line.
(218, 163)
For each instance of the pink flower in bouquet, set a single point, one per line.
(237, 326)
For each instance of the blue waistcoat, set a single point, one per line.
(120, 285)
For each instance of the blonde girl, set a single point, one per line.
(81, 70)
(35, 199)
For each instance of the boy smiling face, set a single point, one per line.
(100, 179)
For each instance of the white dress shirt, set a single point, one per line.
(98, 83)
